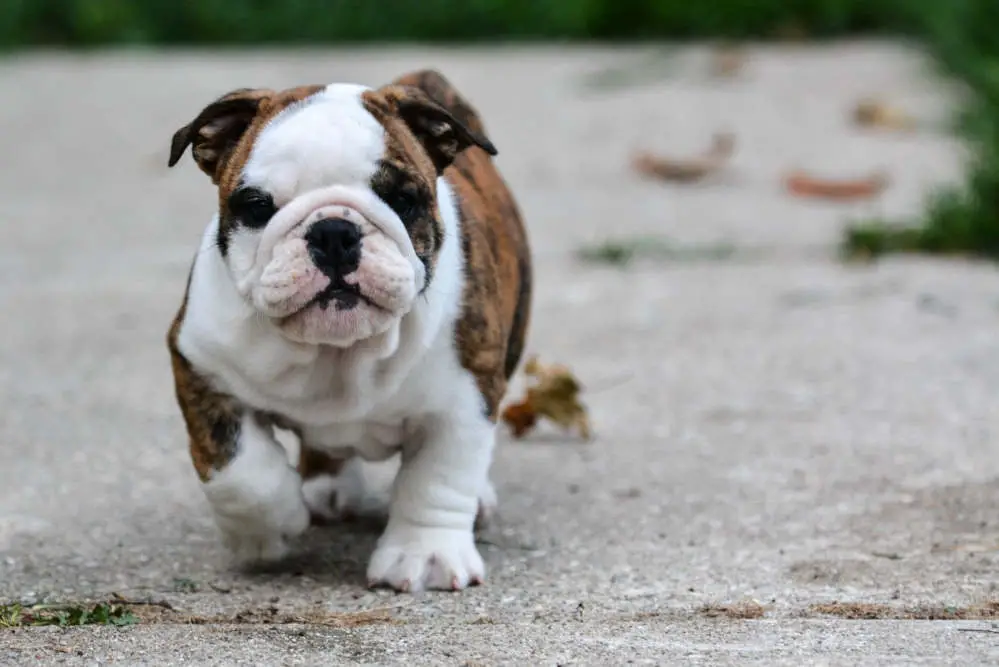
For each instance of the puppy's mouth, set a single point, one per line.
(342, 296)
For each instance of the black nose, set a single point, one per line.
(335, 246)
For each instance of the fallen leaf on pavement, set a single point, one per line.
(554, 395)
(804, 185)
(878, 114)
(727, 60)
(520, 417)
(686, 170)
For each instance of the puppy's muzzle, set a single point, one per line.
(328, 225)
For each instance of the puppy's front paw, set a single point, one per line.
(251, 542)
(257, 517)
(415, 558)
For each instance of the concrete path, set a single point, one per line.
(774, 430)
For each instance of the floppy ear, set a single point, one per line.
(443, 136)
(214, 132)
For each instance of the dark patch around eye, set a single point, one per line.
(413, 201)
(410, 200)
(252, 207)
(248, 207)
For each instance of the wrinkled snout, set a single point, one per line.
(336, 267)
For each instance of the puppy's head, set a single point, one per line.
(328, 219)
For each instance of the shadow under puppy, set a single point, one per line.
(366, 284)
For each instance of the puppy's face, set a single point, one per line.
(328, 219)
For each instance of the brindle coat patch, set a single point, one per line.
(496, 308)
(212, 418)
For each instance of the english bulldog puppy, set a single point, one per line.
(366, 284)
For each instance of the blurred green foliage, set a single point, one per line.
(99, 22)
(963, 36)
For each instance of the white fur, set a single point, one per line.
(257, 499)
(369, 399)
(327, 139)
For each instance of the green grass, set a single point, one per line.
(962, 220)
(622, 252)
(99, 22)
(15, 615)
(955, 223)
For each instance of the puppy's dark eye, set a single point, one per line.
(405, 202)
(408, 197)
(252, 206)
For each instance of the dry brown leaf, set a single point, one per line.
(804, 185)
(687, 170)
(727, 60)
(553, 395)
(878, 114)
(521, 417)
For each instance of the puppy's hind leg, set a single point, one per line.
(345, 489)
(319, 473)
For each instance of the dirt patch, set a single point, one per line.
(739, 610)
(872, 611)
(122, 611)
(270, 616)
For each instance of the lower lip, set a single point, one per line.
(331, 302)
